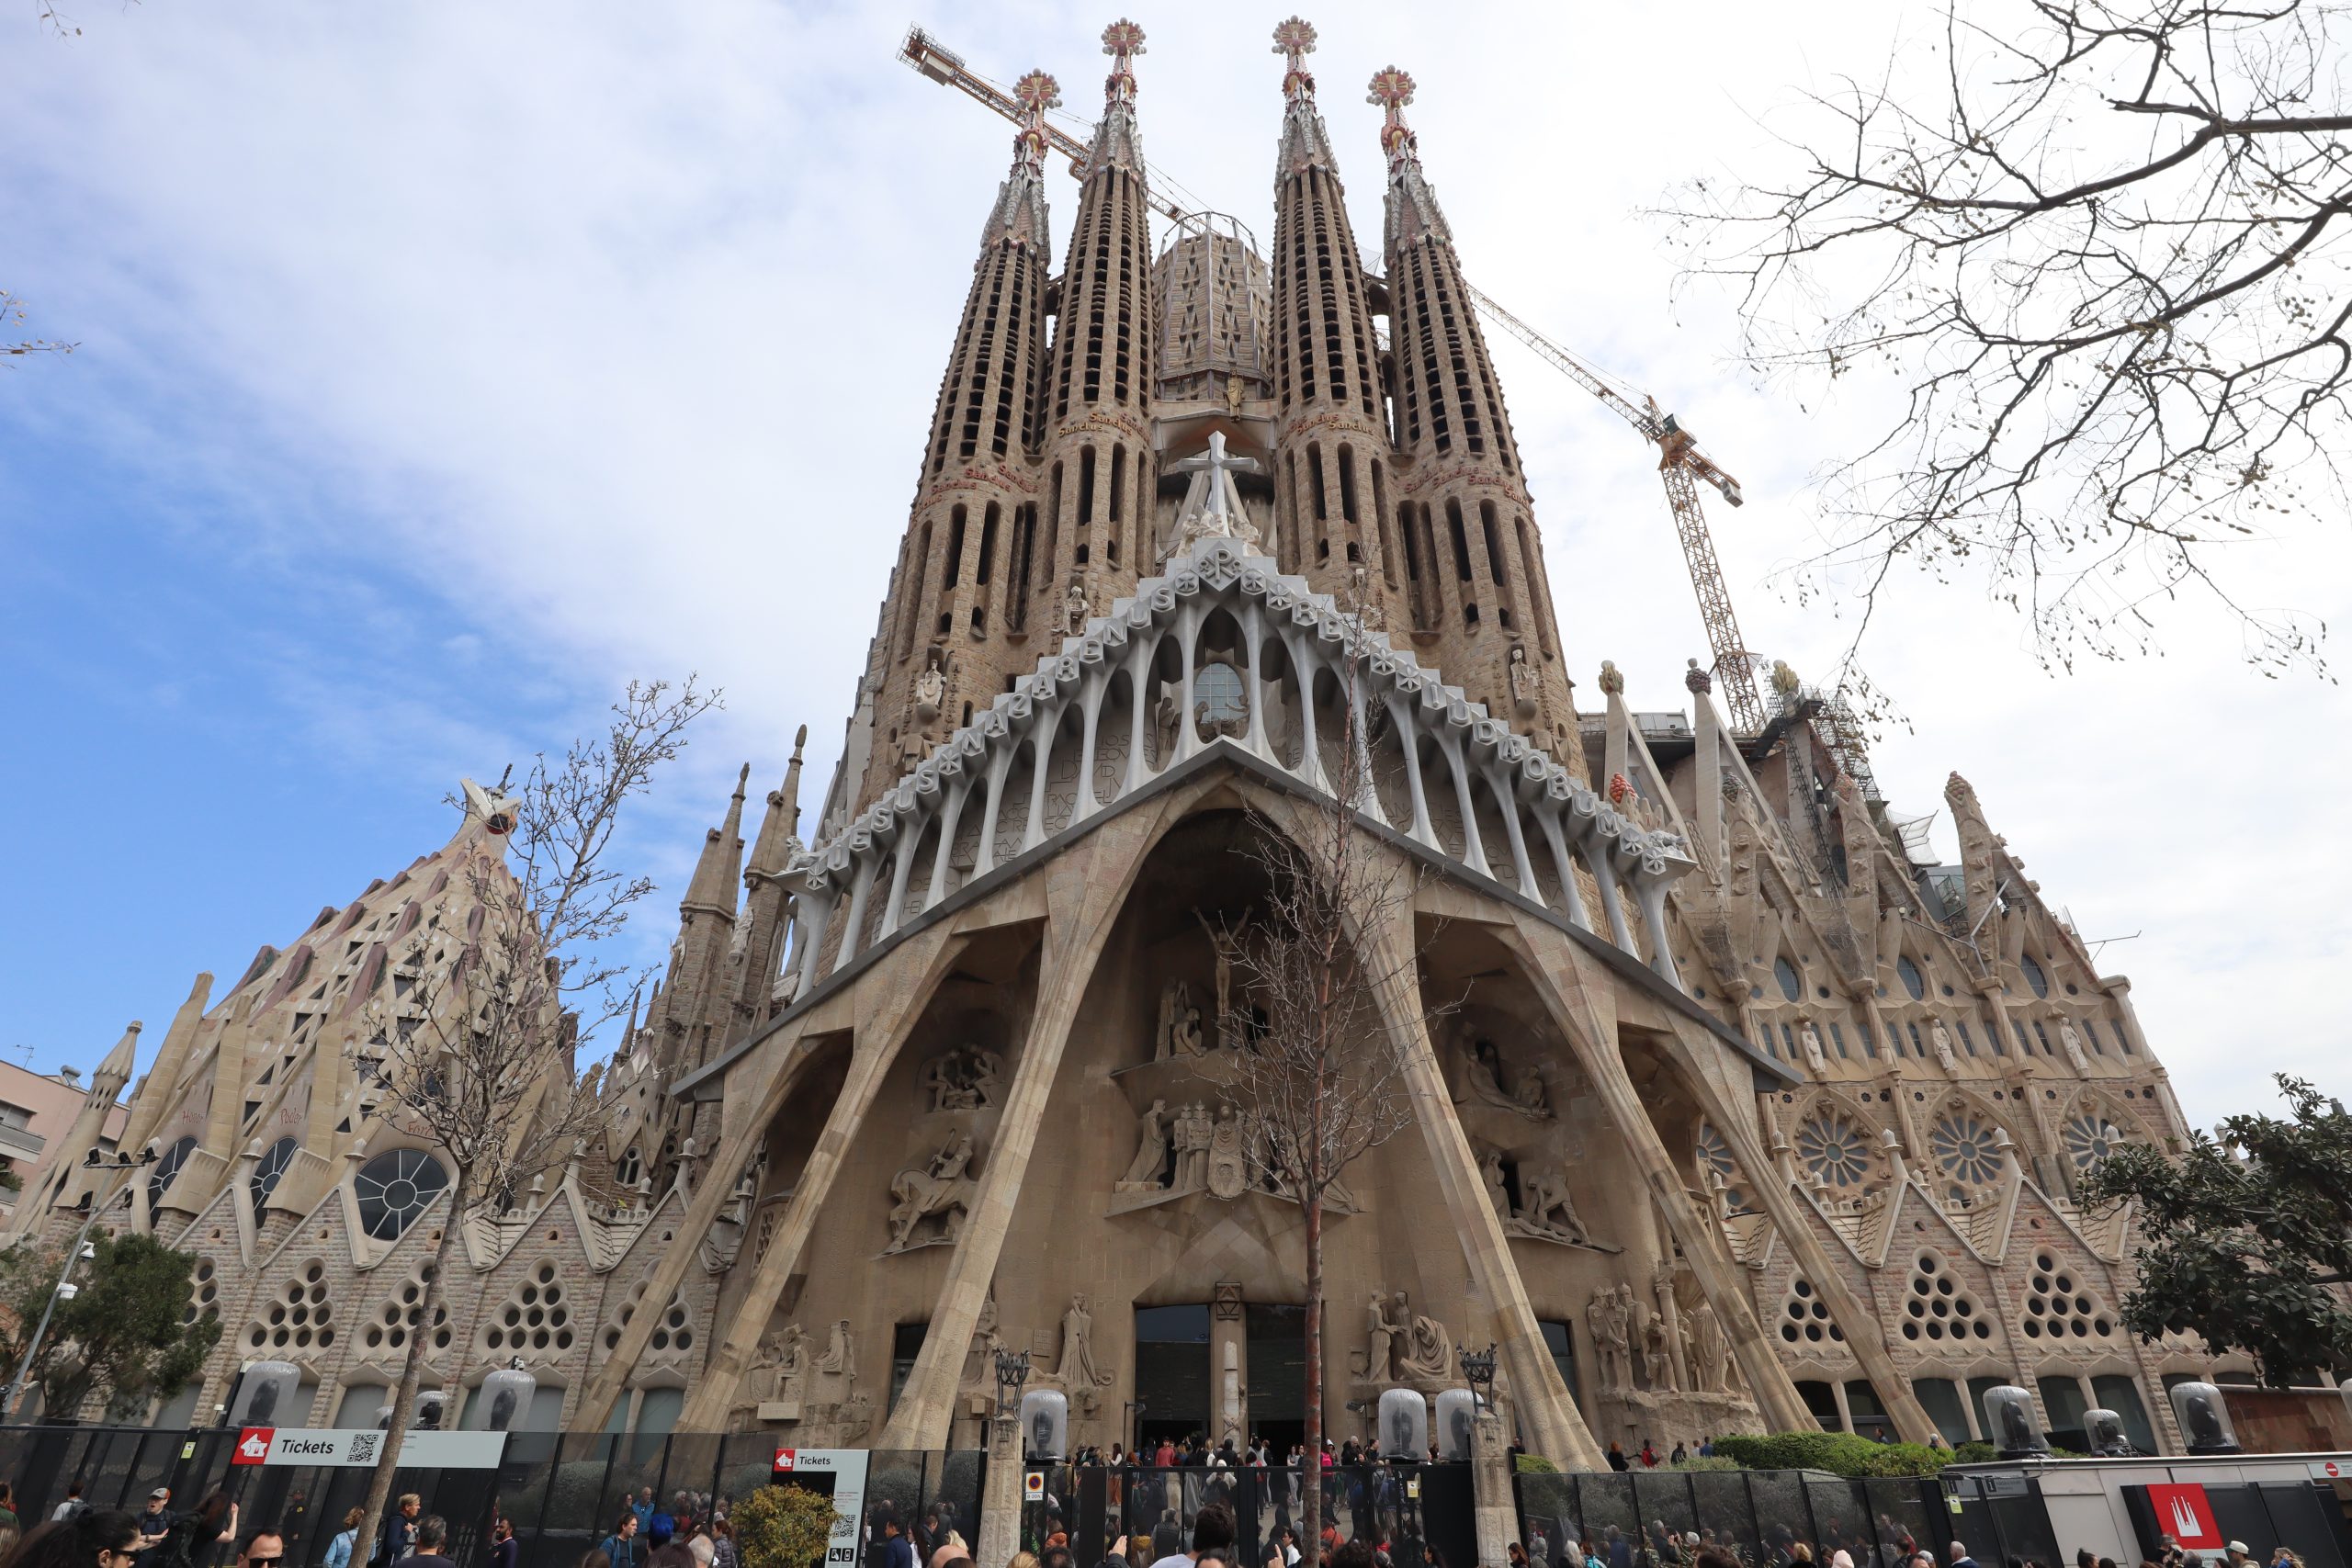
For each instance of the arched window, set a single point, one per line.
(2034, 977)
(1786, 973)
(394, 1188)
(272, 1168)
(167, 1168)
(1912, 981)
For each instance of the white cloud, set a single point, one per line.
(617, 328)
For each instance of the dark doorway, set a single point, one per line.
(1277, 1341)
(1171, 1374)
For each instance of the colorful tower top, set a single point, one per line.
(1117, 143)
(1305, 142)
(1019, 215)
(1035, 92)
(1413, 215)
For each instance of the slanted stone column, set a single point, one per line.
(1495, 1510)
(1000, 1493)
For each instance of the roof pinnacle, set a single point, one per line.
(1392, 89)
(1035, 92)
(1122, 40)
(1295, 40)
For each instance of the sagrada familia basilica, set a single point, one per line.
(1746, 1118)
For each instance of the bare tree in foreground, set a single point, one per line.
(1322, 1077)
(2104, 250)
(483, 1074)
(12, 316)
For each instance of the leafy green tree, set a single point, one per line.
(125, 1336)
(783, 1526)
(2248, 1236)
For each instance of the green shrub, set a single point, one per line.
(1706, 1461)
(1839, 1453)
(1537, 1464)
(783, 1526)
(1974, 1453)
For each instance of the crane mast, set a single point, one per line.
(1680, 463)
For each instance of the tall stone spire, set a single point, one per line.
(1477, 594)
(1331, 475)
(759, 931)
(713, 887)
(1100, 482)
(965, 591)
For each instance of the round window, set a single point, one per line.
(395, 1188)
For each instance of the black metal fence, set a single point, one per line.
(1646, 1518)
(563, 1492)
(1396, 1505)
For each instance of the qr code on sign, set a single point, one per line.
(363, 1448)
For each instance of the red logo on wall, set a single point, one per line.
(784, 1459)
(2182, 1513)
(253, 1445)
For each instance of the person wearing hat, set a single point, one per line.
(2239, 1556)
(155, 1524)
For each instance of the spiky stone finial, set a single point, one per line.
(1035, 92)
(1295, 40)
(1392, 89)
(1122, 40)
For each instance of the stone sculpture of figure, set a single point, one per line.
(1523, 683)
(1604, 1354)
(939, 1081)
(1942, 1038)
(1074, 610)
(1426, 1350)
(1620, 1311)
(1490, 1169)
(979, 1361)
(1613, 680)
(930, 686)
(1656, 1354)
(1482, 1074)
(1380, 1359)
(1227, 947)
(1151, 1150)
(1195, 1128)
(1233, 393)
(1545, 1208)
(2074, 1046)
(1707, 1348)
(1077, 1371)
(1636, 1316)
(1814, 1055)
(1228, 1164)
(986, 1075)
(760, 1377)
(839, 1358)
(940, 1188)
(1180, 1024)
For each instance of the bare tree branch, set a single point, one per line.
(2108, 262)
(482, 1073)
(12, 315)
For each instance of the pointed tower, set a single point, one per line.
(1100, 477)
(1332, 473)
(1473, 559)
(689, 1018)
(70, 1176)
(767, 900)
(966, 589)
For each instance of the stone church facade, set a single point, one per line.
(1747, 1118)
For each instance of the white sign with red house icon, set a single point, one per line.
(847, 1467)
(358, 1448)
(2184, 1513)
(253, 1445)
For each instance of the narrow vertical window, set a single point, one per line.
(1461, 542)
(982, 569)
(1085, 485)
(955, 562)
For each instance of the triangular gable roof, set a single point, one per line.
(838, 876)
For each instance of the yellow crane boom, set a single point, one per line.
(1680, 463)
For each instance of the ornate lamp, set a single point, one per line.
(1012, 1372)
(1478, 1371)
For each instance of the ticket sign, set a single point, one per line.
(2184, 1513)
(846, 1469)
(359, 1448)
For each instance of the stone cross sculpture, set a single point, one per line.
(1213, 506)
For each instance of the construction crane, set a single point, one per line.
(1680, 463)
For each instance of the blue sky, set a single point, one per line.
(440, 369)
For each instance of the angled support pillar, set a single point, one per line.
(1580, 1000)
(1911, 1420)
(1087, 888)
(886, 1012)
(1558, 1430)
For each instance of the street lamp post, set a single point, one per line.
(81, 1248)
(1012, 1372)
(1478, 1371)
